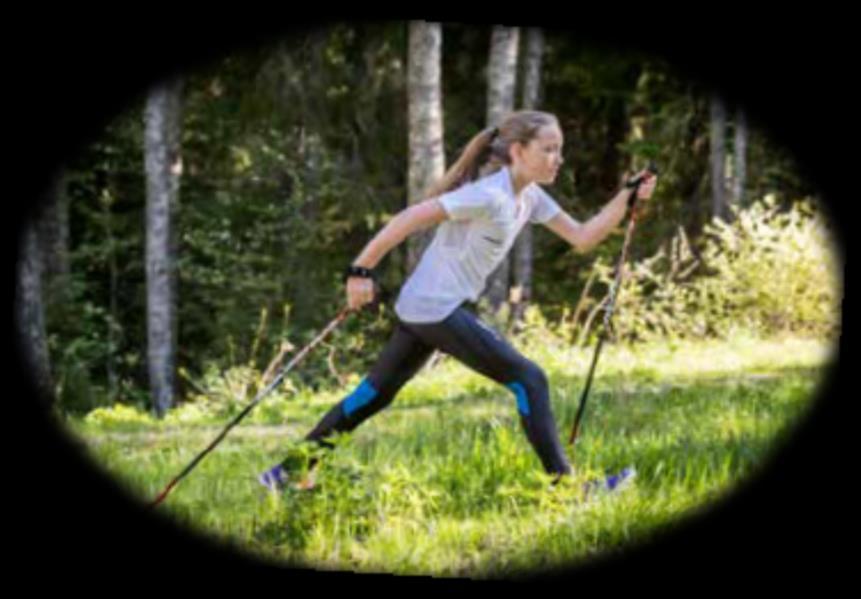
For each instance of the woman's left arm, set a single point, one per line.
(585, 236)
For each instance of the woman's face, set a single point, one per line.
(540, 159)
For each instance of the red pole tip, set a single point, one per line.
(161, 497)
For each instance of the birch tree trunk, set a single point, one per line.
(521, 293)
(501, 80)
(427, 158)
(29, 312)
(53, 237)
(163, 168)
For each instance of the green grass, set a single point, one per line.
(444, 482)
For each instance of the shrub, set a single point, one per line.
(118, 416)
(769, 271)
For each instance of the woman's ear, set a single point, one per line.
(515, 151)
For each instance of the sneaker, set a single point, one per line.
(274, 479)
(614, 482)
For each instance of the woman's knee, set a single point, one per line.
(361, 396)
(368, 398)
(533, 377)
(530, 387)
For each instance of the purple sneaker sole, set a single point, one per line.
(273, 479)
(613, 482)
(276, 479)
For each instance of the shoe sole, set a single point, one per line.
(602, 486)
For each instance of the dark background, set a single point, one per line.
(69, 73)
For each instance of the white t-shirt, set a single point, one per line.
(484, 220)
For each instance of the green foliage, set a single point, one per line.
(92, 327)
(294, 156)
(118, 417)
(769, 271)
(294, 193)
(448, 485)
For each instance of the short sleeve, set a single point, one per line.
(544, 206)
(468, 202)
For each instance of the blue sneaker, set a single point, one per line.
(614, 482)
(274, 479)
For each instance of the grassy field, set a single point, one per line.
(444, 482)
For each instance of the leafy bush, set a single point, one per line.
(769, 271)
(225, 393)
(188, 413)
(766, 273)
(118, 416)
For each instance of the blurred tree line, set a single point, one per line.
(292, 156)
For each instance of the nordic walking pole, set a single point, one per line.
(633, 184)
(275, 382)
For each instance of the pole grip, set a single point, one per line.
(634, 184)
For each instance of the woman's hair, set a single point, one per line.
(487, 152)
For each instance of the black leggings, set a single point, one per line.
(463, 336)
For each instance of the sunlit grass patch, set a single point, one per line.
(445, 483)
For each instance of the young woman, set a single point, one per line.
(480, 205)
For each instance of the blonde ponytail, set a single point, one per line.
(487, 152)
(466, 168)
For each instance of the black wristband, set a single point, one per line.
(359, 271)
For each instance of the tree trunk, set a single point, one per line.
(113, 311)
(532, 68)
(427, 159)
(162, 122)
(718, 158)
(29, 312)
(53, 237)
(502, 77)
(740, 156)
(522, 266)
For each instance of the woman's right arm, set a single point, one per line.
(417, 217)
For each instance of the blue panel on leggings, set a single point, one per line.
(520, 392)
(363, 394)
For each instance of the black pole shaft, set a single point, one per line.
(586, 388)
(634, 185)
